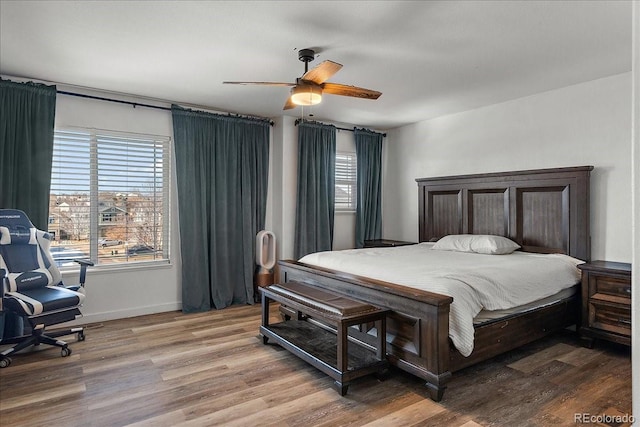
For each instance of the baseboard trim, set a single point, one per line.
(87, 319)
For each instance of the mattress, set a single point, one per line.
(477, 282)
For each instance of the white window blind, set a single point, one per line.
(346, 175)
(109, 197)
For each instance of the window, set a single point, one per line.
(346, 181)
(109, 199)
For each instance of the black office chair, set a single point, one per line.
(32, 287)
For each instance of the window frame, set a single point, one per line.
(94, 137)
(351, 179)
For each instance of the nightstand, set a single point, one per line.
(606, 302)
(385, 243)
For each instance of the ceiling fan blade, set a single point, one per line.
(260, 83)
(345, 90)
(289, 104)
(321, 72)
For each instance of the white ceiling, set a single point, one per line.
(428, 58)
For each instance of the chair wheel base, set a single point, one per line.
(66, 351)
(5, 361)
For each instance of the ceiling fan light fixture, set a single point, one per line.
(306, 95)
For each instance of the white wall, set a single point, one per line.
(111, 293)
(282, 185)
(584, 124)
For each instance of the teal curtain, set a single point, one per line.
(316, 188)
(369, 183)
(222, 167)
(27, 114)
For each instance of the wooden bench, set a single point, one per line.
(326, 348)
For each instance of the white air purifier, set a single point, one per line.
(265, 250)
(265, 257)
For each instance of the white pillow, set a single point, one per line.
(478, 243)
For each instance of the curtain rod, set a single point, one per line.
(100, 98)
(138, 104)
(384, 135)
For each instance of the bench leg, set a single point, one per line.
(382, 374)
(343, 342)
(341, 387)
(381, 348)
(265, 315)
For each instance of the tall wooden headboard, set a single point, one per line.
(544, 210)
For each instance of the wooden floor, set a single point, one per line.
(212, 369)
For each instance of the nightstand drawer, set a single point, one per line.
(610, 286)
(610, 317)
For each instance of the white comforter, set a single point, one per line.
(475, 281)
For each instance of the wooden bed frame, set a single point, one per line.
(545, 211)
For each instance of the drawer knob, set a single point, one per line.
(628, 290)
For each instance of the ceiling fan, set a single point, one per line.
(308, 89)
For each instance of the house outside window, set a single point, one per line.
(109, 197)
(346, 175)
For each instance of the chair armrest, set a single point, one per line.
(83, 269)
